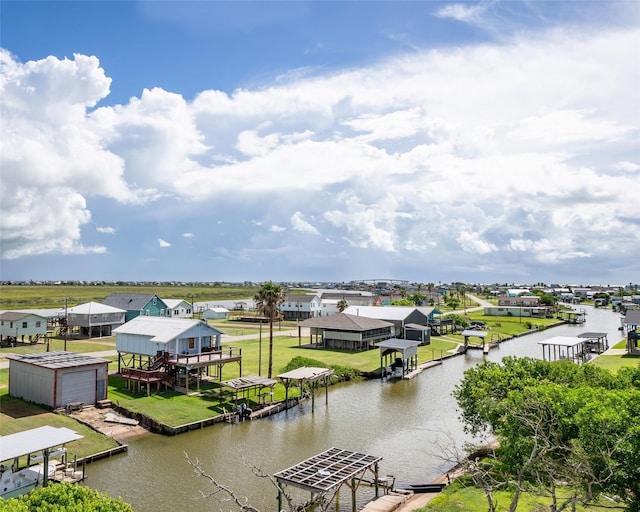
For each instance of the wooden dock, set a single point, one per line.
(386, 503)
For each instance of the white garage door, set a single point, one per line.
(79, 387)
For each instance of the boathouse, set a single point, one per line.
(406, 362)
(570, 348)
(57, 379)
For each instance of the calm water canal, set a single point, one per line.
(405, 422)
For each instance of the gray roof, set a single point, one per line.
(632, 317)
(57, 360)
(386, 312)
(129, 301)
(13, 316)
(397, 344)
(300, 298)
(343, 321)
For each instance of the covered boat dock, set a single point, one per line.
(563, 347)
(406, 363)
(325, 473)
(595, 341)
(310, 375)
(36, 444)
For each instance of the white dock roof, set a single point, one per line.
(34, 440)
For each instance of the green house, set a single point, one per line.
(137, 304)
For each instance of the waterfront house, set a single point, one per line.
(57, 379)
(136, 304)
(16, 325)
(399, 316)
(346, 332)
(95, 319)
(170, 350)
(519, 311)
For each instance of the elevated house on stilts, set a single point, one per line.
(175, 352)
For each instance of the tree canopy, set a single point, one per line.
(558, 422)
(65, 497)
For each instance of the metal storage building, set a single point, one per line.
(57, 379)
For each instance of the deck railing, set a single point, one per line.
(205, 357)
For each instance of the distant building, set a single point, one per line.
(300, 307)
(178, 308)
(136, 304)
(16, 325)
(95, 319)
(215, 313)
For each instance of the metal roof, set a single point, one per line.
(563, 341)
(34, 440)
(130, 301)
(327, 470)
(94, 308)
(57, 360)
(385, 312)
(307, 373)
(161, 329)
(397, 344)
(473, 332)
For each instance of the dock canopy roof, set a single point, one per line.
(34, 440)
(562, 341)
(306, 373)
(405, 347)
(327, 470)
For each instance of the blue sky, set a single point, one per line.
(485, 142)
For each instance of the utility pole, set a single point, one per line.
(193, 311)
(66, 323)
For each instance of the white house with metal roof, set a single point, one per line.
(148, 335)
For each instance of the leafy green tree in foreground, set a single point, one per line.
(65, 497)
(267, 299)
(557, 422)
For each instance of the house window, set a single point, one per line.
(24, 325)
(154, 301)
(38, 323)
(192, 343)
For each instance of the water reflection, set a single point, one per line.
(406, 423)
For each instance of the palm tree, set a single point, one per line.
(267, 299)
(342, 305)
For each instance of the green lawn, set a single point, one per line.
(55, 344)
(18, 296)
(17, 415)
(175, 409)
(461, 498)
